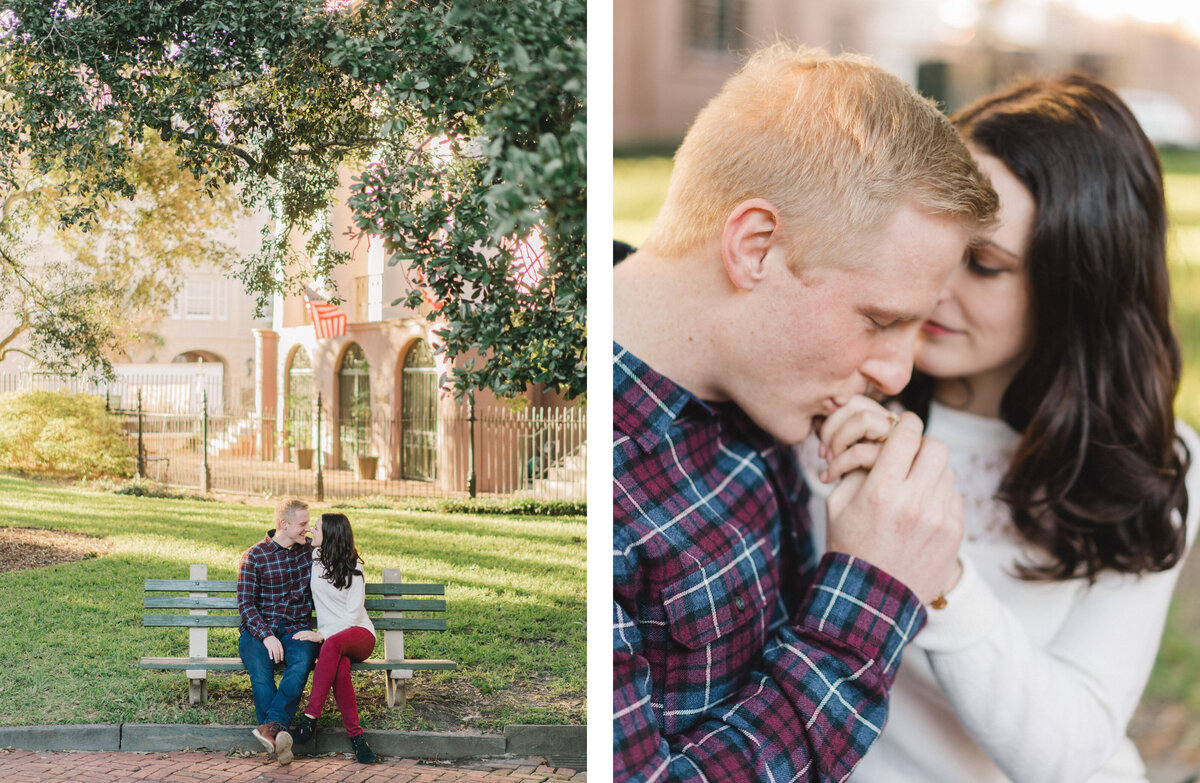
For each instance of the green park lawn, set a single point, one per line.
(639, 186)
(1176, 677)
(1183, 250)
(72, 633)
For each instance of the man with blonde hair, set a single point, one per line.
(816, 208)
(275, 601)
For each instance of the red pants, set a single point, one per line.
(333, 669)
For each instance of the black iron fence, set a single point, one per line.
(498, 452)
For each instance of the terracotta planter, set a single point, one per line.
(304, 458)
(364, 468)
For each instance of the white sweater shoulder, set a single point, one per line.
(1015, 680)
(337, 609)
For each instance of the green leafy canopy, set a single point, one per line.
(275, 96)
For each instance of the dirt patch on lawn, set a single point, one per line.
(456, 705)
(449, 705)
(36, 547)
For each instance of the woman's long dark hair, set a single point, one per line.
(338, 554)
(1099, 468)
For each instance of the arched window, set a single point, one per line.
(298, 401)
(418, 414)
(354, 405)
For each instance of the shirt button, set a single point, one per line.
(739, 602)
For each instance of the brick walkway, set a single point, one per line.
(23, 766)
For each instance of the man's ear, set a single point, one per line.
(752, 231)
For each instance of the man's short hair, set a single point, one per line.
(287, 507)
(835, 143)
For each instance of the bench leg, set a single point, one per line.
(197, 691)
(397, 692)
(197, 643)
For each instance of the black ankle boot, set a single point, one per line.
(362, 751)
(302, 732)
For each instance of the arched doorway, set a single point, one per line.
(298, 405)
(197, 357)
(354, 406)
(207, 380)
(418, 414)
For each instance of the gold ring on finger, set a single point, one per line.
(893, 420)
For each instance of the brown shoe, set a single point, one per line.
(267, 732)
(283, 747)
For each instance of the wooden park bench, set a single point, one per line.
(386, 602)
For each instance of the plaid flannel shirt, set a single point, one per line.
(738, 654)
(273, 589)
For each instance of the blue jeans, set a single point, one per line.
(277, 702)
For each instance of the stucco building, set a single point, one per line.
(671, 56)
(379, 386)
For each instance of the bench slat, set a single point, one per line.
(235, 664)
(191, 620)
(212, 664)
(230, 586)
(233, 621)
(179, 602)
(230, 602)
(409, 623)
(193, 585)
(405, 588)
(405, 604)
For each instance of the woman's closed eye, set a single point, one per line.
(978, 267)
(990, 260)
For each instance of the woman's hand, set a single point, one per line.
(900, 512)
(852, 436)
(308, 636)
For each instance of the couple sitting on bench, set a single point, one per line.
(280, 580)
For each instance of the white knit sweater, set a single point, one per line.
(1029, 682)
(338, 610)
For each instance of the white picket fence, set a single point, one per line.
(165, 388)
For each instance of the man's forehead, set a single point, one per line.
(897, 292)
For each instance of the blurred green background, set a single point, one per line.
(639, 186)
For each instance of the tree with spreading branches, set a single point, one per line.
(465, 119)
(76, 296)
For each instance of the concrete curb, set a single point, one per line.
(162, 737)
(93, 736)
(565, 742)
(561, 746)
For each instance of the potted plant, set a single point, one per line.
(365, 467)
(304, 458)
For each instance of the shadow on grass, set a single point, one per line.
(73, 635)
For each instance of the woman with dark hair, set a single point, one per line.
(344, 630)
(1049, 370)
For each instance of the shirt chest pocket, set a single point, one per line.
(723, 601)
(717, 618)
